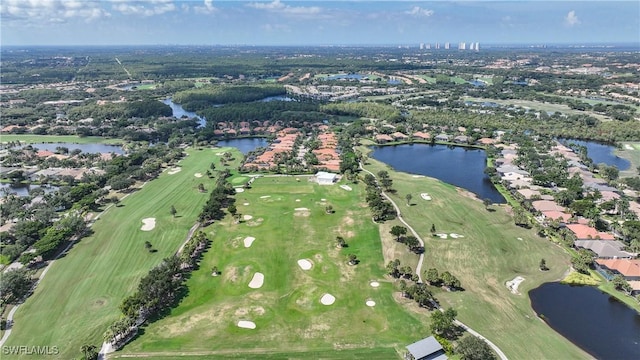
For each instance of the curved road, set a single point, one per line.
(419, 270)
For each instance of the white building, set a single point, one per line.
(325, 178)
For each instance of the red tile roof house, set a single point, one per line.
(382, 138)
(421, 135)
(559, 215)
(585, 232)
(546, 205)
(628, 268)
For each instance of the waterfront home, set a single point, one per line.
(604, 249)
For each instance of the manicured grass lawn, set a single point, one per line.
(488, 255)
(291, 322)
(631, 152)
(457, 80)
(79, 297)
(32, 139)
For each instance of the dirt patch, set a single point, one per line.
(255, 222)
(231, 274)
(468, 194)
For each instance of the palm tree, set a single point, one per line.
(408, 197)
(329, 209)
(173, 211)
(341, 242)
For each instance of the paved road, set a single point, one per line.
(419, 270)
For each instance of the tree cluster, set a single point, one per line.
(381, 209)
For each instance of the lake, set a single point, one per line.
(593, 320)
(601, 153)
(459, 166)
(179, 112)
(23, 189)
(245, 144)
(85, 148)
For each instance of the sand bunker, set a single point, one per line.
(239, 189)
(425, 196)
(197, 175)
(246, 324)
(442, 236)
(628, 147)
(456, 236)
(246, 204)
(323, 200)
(265, 197)
(513, 284)
(417, 176)
(374, 284)
(174, 170)
(301, 209)
(346, 187)
(148, 224)
(247, 217)
(370, 303)
(328, 299)
(248, 241)
(257, 281)
(297, 200)
(304, 264)
(520, 238)
(219, 154)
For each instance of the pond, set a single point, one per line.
(23, 189)
(90, 148)
(459, 166)
(179, 112)
(245, 144)
(601, 153)
(591, 319)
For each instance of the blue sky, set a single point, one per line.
(280, 22)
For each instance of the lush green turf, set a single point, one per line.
(79, 297)
(291, 321)
(32, 139)
(488, 256)
(457, 80)
(355, 354)
(631, 152)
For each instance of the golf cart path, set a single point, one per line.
(419, 270)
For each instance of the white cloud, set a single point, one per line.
(50, 11)
(418, 11)
(143, 8)
(208, 8)
(276, 27)
(278, 7)
(571, 19)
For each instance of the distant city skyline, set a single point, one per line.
(279, 22)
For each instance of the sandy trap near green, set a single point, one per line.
(257, 281)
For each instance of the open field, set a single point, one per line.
(79, 297)
(539, 106)
(291, 321)
(489, 255)
(631, 152)
(33, 139)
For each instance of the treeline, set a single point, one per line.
(364, 109)
(381, 209)
(199, 99)
(162, 287)
(144, 108)
(285, 111)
